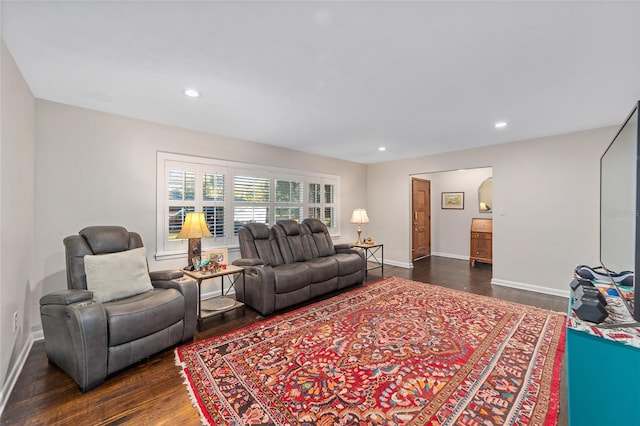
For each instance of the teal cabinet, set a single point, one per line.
(603, 374)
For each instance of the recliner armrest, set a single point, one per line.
(247, 262)
(189, 289)
(76, 337)
(182, 284)
(169, 274)
(66, 297)
(260, 279)
(348, 248)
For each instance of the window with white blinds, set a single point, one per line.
(234, 194)
(251, 198)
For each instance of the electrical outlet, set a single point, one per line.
(15, 321)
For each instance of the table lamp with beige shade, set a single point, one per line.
(194, 228)
(359, 216)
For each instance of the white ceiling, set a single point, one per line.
(338, 78)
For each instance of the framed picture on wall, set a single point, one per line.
(453, 200)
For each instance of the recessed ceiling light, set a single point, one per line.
(192, 93)
(500, 124)
(382, 148)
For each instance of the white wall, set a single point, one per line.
(16, 219)
(95, 168)
(450, 228)
(545, 196)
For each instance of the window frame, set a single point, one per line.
(170, 248)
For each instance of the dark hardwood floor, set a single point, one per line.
(152, 392)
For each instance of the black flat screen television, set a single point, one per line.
(619, 204)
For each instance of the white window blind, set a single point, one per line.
(251, 198)
(289, 193)
(234, 194)
(213, 196)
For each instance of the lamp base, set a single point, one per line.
(193, 251)
(359, 233)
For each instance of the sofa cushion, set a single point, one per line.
(117, 275)
(348, 263)
(291, 241)
(259, 231)
(257, 241)
(138, 316)
(315, 225)
(106, 239)
(320, 239)
(322, 268)
(290, 227)
(291, 276)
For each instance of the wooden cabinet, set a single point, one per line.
(481, 240)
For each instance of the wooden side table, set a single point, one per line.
(371, 253)
(481, 241)
(219, 304)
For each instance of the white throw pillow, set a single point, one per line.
(117, 275)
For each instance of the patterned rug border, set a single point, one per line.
(553, 403)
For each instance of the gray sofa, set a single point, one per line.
(293, 262)
(90, 339)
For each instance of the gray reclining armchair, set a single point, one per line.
(91, 334)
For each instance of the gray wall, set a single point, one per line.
(16, 218)
(64, 168)
(97, 168)
(546, 208)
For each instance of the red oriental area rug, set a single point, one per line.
(396, 352)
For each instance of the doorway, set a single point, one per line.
(421, 218)
(449, 229)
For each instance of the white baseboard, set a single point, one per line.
(37, 333)
(531, 287)
(14, 373)
(398, 264)
(450, 255)
(512, 284)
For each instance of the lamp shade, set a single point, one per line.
(359, 216)
(195, 226)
